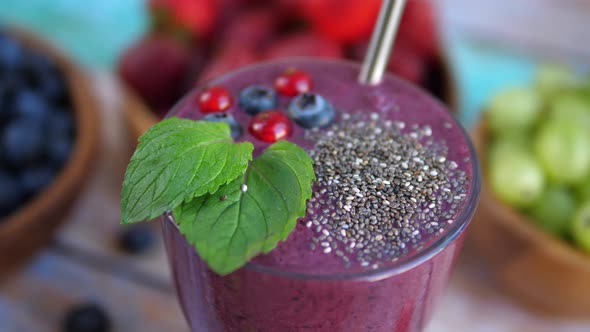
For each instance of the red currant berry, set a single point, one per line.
(293, 82)
(215, 99)
(271, 126)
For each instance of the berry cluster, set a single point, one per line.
(270, 124)
(36, 126)
(194, 41)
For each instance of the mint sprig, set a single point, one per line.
(177, 160)
(229, 208)
(252, 214)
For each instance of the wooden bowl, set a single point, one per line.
(32, 225)
(140, 118)
(540, 270)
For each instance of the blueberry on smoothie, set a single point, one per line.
(311, 110)
(257, 98)
(236, 128)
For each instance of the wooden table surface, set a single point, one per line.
(84, 264)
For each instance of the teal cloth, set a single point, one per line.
(92, 31)
(481, 71)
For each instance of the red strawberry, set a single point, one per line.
(304, 44)
(288, 7)
(418, 28)
(228, 11)
(253, 29)
(243, 3)
(156, 69)
(407, 63)
(195, 16)
(343, 21)
(226, 61)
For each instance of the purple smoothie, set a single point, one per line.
(297, 288)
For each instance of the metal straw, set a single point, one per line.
(379, 50)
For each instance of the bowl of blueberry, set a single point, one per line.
(48, 139)
(532, 225)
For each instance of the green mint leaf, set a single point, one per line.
(231, 226)
(177, 160)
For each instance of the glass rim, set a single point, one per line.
(401, 265)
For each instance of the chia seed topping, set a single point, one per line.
(380, 189)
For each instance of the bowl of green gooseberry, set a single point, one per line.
(533, 222)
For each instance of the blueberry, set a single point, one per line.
(58, 149)
(10, 53)
(137, 239)
(21, 142)
(34, 179)
(41, 74)
(11, 194)
(5, 110)
(257, 98)
(39, 63)
(86, 318)
(236, 129)
(60, 123)
(310, 110)
(10, 85)
(30, 104)
(54, 88)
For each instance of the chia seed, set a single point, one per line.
(381, 188)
